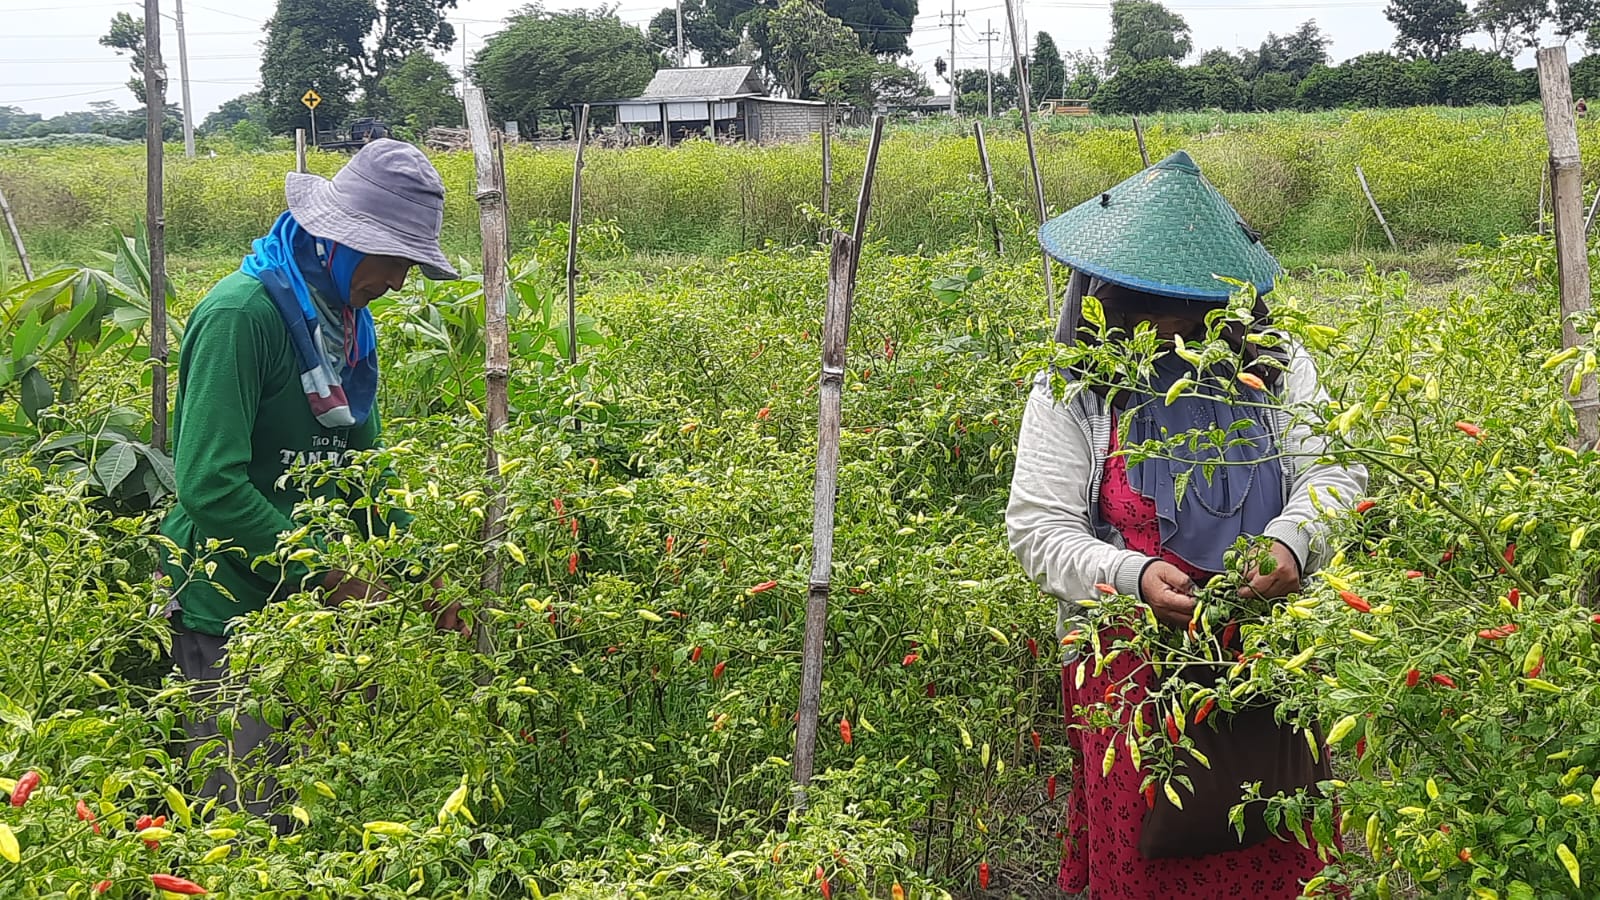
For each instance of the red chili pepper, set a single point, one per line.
(1537, 668)
(1354, 601)
(1510, 554)
(1464, 854)
(572, 563)
(1104, 588)
(142, 823)
(983, 876)
(1150, 796)
(1498, 632)
(1229, 631)
(1050, 788)
(910, 658)
(694, 655)
(1514, 597)
(24, 789)
(526, 737)
(1037, 741)
(716, 670)
(858, 591)
(764, 412)
(1364, 506)
(100, 887)
(1447, 556)
(1413, 573)
(1111, 694)
(844, 731)
(1193, 624)
(1204, 710)
(1444, 827)
(1444, 680)
(573, 522)
(85, 814)
(1172, 729)
(561, 508)
(1595, 618)
(822, 879)
(1361, 747)
(888, 348)
(931, 689)
(763, 587)
(159, 821)
(1033, 648)
(1412, 677)
(177, 885)
(1470, 430)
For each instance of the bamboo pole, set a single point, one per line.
(988, 186)
(1362, 176)
(497, 352)
(300, 150)
(155, 220)
(846, 249)
(16, 237)
(1572, 250)
(827, 166)
(1138, 133)
(1544, 183)
(1025, 99)
(572, 241)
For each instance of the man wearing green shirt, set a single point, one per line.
(279, 367)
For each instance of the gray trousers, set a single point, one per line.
(202, 658)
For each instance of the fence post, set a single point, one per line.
(1572, 249)
(1138, 134)
(155, 220)
(572, 240)
(300, 150)
(1026, 101)
(988, 186)
(1362, 176)
(16, 237)
(846, 258)
(497, 352)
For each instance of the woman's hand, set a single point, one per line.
(340, 587)
(1281, 582)
(445, 618)
(1169, 592)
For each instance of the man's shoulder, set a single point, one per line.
(236, 297)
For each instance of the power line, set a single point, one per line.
(64, 96)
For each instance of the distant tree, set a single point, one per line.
(1144, 30)
(1428, 29)
(553, 60)
(972, 91)
(1294, 54)
(805, 40)
(421, 93)
(1217, 87)
(1086, 71)
(126, 35)
(1218, 57)
(243, 108)
(1473, 77)
(884, 26)
(14, 123)
(340, 46)
(1371, 80)
(715, 41)
(1047, 73)
(1511, 24)
(1146, 87)
(1271, 91)
(863, 80)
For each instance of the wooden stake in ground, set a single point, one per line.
(155, 220)
(300, 150)
(988, 186)
(1138, 134)
(1362, 177)
(827, 165)
(572, 240)
(830, 391)
(1544, 184)
(16, 237)
(1572, 250)
(497, 353)
(1020, 71)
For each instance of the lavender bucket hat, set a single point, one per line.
(388, 200)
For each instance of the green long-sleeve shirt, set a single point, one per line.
(242, 421)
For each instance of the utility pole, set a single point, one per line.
(680, 33)
(954, 17)
(183, 75)
(989, 36)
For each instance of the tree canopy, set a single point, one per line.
(1428, 29)
(421, 93)
(1144, 30)
(126, 35)
(1047, 74)
(552, 60)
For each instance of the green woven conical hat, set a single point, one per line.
(1164, 231)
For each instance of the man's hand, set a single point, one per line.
(1169, 592)
(445, 618)
(1283, 581)
(341, 587)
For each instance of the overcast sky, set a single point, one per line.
(51, 60)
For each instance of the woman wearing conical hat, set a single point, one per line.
(1156, 249)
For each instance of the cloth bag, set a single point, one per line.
(1248, 745)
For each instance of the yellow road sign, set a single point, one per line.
(311, 99)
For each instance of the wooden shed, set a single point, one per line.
(732, 100)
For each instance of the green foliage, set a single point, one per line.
(1047, 74)
(1145, 31)
(551, 60)
(883, 26)
(716, 41)
(421, 93)
(1428, 29)
(126, 35)
(805, 41)
(1146, 87)
(243, 108)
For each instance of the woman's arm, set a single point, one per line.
(1300, 527)
(1048, 514)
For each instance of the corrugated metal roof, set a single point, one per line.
(720, 81)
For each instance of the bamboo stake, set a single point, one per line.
(988, 185)
(1572, 250)
(300, 150)
(155, 220)
(1026, 101)
(1544, 182)
(572, 242)
(1138, 133)
(497, 352)
(1375, 210)
(842, 268)
(16, 237)
(827, 166)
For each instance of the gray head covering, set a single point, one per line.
(387, 201)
